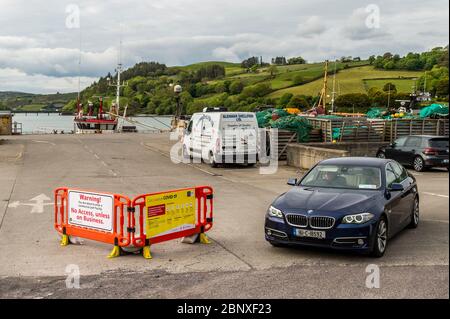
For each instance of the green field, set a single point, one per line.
(355, 80)
(194, 67)
(402, 85)
(285, 74)
(32, 107)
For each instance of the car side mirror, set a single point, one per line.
(396, 187)
(292, 181)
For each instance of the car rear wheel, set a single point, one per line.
(415, 214)
(381, 154)
(419, 164)
(381, 238)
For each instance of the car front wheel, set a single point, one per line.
(415, 214)
(381, 238)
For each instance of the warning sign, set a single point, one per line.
(91, 210)
(170, 212)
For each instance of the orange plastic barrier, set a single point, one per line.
(115, 233)
(110, 218)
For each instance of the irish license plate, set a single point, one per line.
(319, 234)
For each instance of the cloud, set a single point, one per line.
(16, 80)
(312, 26)
(35, 42)
(225, 54)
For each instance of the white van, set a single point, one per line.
(222, 137)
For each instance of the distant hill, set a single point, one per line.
(247, 85)
(34, 102)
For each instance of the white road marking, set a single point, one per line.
(434, 194)
(37, 206)
(435, 220)
(45, 142)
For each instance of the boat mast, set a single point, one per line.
(333, 94)
(119, 70)
(119, 83)
(79, 76)
(323, 93)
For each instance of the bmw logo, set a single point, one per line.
(310, 212)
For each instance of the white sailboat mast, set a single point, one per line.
(333, 94)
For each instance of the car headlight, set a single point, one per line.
(357, 218)
(274, 212)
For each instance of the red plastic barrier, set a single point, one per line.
(90, 212)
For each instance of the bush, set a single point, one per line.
(355, 101)
(298, 79)
(236, 87)
(284, 99)
(299, 102)
(258, 90)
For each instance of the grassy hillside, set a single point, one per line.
(34, 102)
(357, 80)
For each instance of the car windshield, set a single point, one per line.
(343, 176)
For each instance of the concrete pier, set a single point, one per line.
(238, 264)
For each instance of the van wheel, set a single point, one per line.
(212, 162)
(185, 153)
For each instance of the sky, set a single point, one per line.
(40, 40)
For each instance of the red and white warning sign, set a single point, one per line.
(91, 210)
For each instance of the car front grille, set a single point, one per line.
(297, 220)
(321, 222)
(317, 222)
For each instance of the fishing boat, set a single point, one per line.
(90, 123)
(102, 122)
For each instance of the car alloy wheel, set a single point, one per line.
(382, 236)
(418, 164)
(415, 214)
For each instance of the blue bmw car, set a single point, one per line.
(351, 203)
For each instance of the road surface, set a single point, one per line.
(237, 264)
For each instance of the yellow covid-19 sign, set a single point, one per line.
(170, 212)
